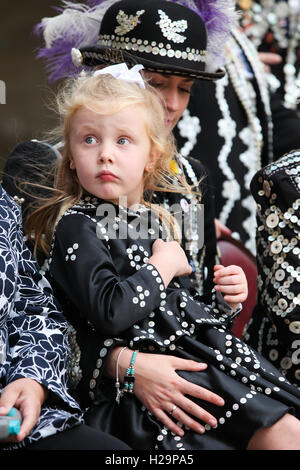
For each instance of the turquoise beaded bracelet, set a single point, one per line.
(129, 377)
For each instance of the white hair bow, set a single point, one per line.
(122, 72)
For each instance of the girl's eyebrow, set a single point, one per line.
(126, 130)
(85, 127)
(119, 130)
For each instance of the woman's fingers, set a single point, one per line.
(164, 418)
(186, 364)
(185, 405)
(202, 393)
(185, 413)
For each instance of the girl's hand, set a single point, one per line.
(232, 283)
(170, 260)
(159, 388)
(28, 396)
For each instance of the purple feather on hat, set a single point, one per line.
(58, 57)
(76, 25)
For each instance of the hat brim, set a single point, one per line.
(99, 55)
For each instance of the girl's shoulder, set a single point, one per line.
(73, 218)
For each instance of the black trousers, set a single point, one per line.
(80, 437)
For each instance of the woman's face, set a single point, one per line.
(175, 91)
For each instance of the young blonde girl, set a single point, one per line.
(136, 287)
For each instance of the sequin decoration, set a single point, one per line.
(273, 26)
(170, 29)
(127, 23)
(275, 325)
(146, 47)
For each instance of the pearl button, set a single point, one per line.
(276, 247)
(272, 220)
(286, 363)
(295, 327)
(279, 275)
(282, 303)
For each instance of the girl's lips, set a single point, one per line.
(106, 176)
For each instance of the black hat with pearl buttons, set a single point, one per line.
(163, 36)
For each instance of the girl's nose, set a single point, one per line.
(105, 154)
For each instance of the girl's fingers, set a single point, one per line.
(235, 299)
(217, 267)
(233, 279)
(228, 270)
(236, 289)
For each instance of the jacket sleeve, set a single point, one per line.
(37, 344)
(82, 266)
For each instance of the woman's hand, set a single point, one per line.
(28, 396)
(232, 283)
(159, 388)
(170, 260)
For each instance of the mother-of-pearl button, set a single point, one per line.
(272, 220)
(294, 326)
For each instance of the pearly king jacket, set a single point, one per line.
(274, 329)
(33, 332)
(235, 127)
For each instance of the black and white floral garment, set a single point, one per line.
(33, 332)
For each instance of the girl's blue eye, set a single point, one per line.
(90, 139)
(123, 141)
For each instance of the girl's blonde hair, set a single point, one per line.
(104, 94)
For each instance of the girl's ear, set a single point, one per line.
(153, 157)
(149, 167)
(72, 165)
